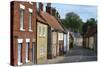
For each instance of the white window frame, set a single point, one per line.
(31, 2)
(27, 41)
(22, 7)
(20, 41)
(30, 19)
(39, 30)
(44, 31)
(60, 36)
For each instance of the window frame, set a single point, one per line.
(22, 19)
(30, 21)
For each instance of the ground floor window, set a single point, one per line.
(33, 52)
(19, 53)
(20, 43)
(27, 51)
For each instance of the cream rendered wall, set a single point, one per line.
(60, 36)
(91, 42)
(68, 41)
(54, 43)
(79, 41)
(41, 43)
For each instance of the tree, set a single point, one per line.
(73, 22)
(91, 22)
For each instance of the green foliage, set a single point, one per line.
(91, 22)
(73, 22)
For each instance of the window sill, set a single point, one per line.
(22, 29)
(30, 30)
(19, 63)
(27, 60)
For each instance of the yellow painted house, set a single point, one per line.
(42, 30)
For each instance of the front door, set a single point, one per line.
(19, 53)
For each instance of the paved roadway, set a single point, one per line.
(76, 54)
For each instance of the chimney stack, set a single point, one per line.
(40, 6)
(48, 8)
(53, 11)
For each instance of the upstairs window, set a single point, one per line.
(30, 19)
(22, 17)
(44, 31)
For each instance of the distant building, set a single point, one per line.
(78, 39)
(90, 38)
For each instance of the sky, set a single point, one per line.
(85, 12)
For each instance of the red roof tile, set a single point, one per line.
(40, 19)
(51, 20)
(91, 31)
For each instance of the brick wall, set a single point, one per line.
(16, 33)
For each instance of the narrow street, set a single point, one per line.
(76, 54)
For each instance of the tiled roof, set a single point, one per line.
(91, 31)
(40, 19)
(51, 20)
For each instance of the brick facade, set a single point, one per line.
(16, 33)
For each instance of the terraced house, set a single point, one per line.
(23, 32)
(36, 35)
(55, 32)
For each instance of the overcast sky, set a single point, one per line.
(85, 12)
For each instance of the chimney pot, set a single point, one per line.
(48, 8)
(41, 6)
(53, 11)
(49, 4)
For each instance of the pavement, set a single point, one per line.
(76, 54)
